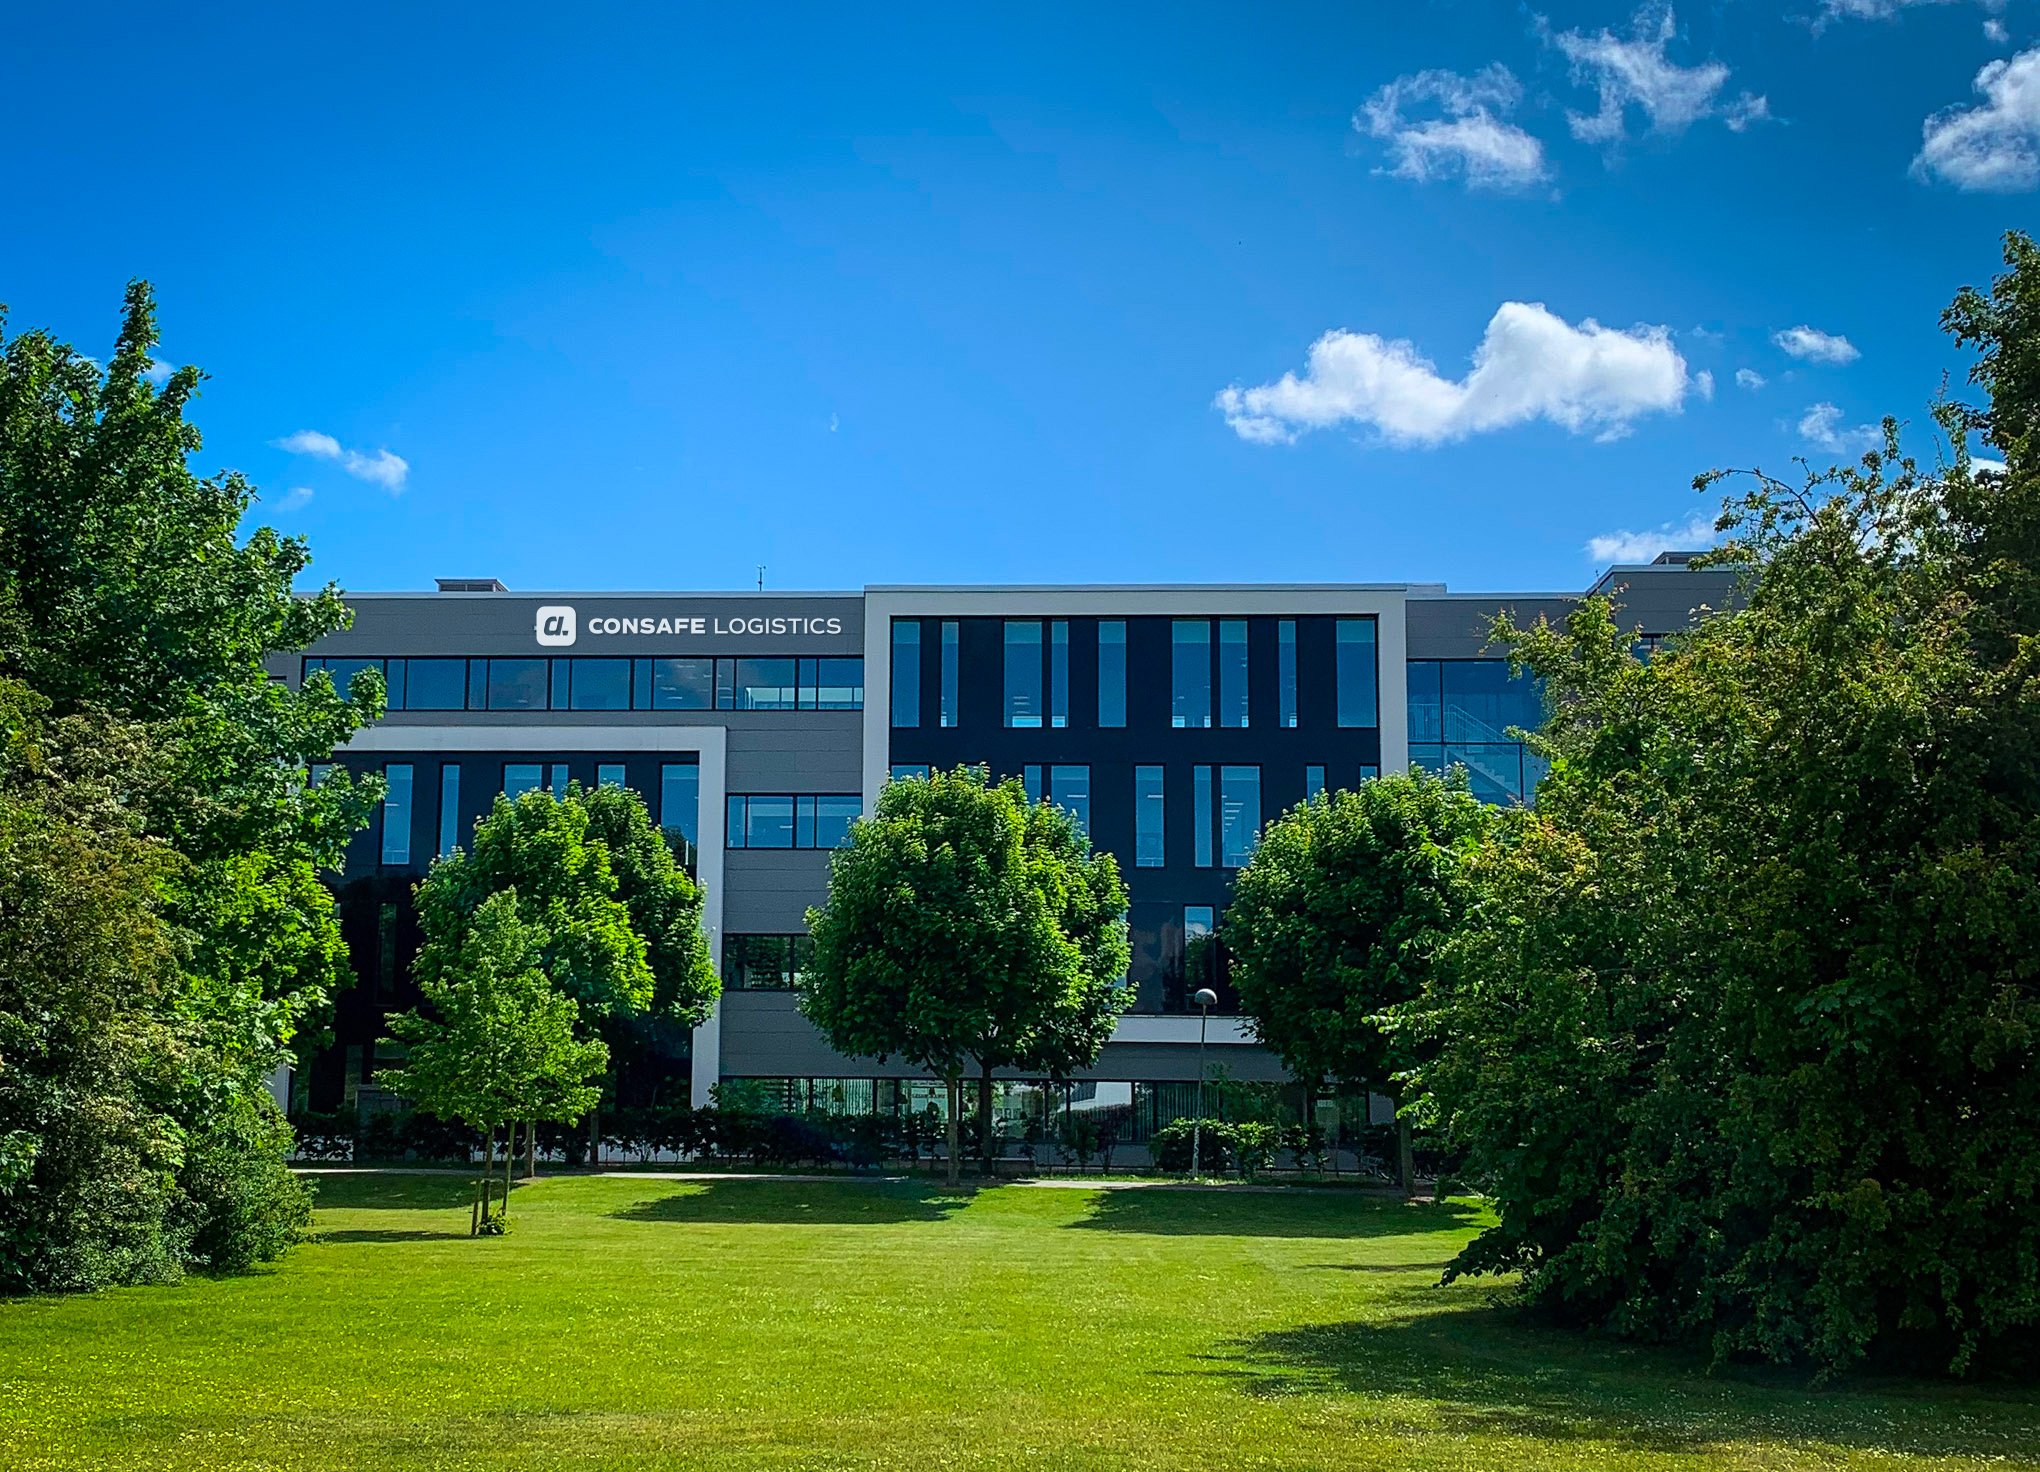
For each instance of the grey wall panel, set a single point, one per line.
(764, 1036)
(1661, 600)
(506, 623)
(1457, 628)
(768, 891)
(796, 752)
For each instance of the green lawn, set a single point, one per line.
(733, 1324)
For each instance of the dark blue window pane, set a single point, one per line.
(1285, 672)
(1059, 673)
(1482, 700)
(832, 684)
(449, 807)
(1239, 798)
(1023, 672)
(1112, 672)
(768, 822)
(1200, 816)
(1150, 819)
(517, 684)
(909, 769)
(680, 800)
(1427, 711)
(1232, 672)
(1313, 781)
(834, 813)
(947, 714)
(601, 684)
(681, 684)
(906, 672)
(521, 777)
(396, 834)
(1190, 673)
(435, 684)
(1359, 704)
(765, 684)
(609, 774)
(1069, 788)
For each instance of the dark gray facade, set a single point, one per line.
(1176, 719)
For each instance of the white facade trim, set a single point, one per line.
(1150, 1028)
(709, 743)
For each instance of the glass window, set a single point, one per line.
(906, 672)
(1069, 788)
(680, 800)
(1427, 708)
(1232, 672)
(1112, 672)
(948, 703)
(756, 962)
(520, 778)
(1200, 817)
(832, 684)
(562, 674)
(517, 684)
(1358, 705)
(1481, 700)
(396, 831)
(609, 774)
(1190, 673)
(1030, 778)
(449, 807)
(559, 779)
(393, 684)
(1313, 781)
(834, 813)
(1023, 672)
(478, 684)
(1200, 954)
(909, 769)
(768, 821)
(1239, 805)
(343, 672)
(764, 684)
(435, 684)
(601, 684)
(1368, 772)
(320, 771)
(1150, 819)
(1059, 673)
(676, 684)
(1285, 673)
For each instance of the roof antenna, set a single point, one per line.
(761, 577)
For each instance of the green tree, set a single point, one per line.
(1742, 1028)
(966, 925)
(499, 1043)
(1338, 918)
(137, 613)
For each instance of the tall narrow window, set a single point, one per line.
(1200, 814)
(1285, 672)
(1059, 673)
(1023, 672)
(449, 807)
(1190, 672)
(1112, 672)
(1313, 781)
(1150, 819)
(1030, 778)
(1427, 705)
(396, 820)
(680, 801)
(949, 641)
(520, 778)
(1232, 672)
(1239, 804)
(1200, 955)
(1358, 705)
(609, 774)
(1069, 788)
(906, 672)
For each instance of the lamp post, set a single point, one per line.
(1204, 998)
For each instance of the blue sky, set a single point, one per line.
(635, 297)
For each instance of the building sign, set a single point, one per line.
(557, 626)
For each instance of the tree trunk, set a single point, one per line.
(955, 1104)
(984, 1119)
(1406, 1159)
(509, 1162)
(488, 1169)
(595, 1138)
(531, 1150)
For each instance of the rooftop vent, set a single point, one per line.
(471, 585)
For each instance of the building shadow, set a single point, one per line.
(1493, 1371)
(849, 1202)
(1164, 1211)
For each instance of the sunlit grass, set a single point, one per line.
(637, 1323)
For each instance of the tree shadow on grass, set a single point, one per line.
(803, 1203)
(368, 1190)
(1167, 1212)
(1492, 1371)
(394, 1234)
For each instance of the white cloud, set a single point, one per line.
(834, 424)
(1470, 139)
(1696, 532)
(1833, 10)
(1531, 364)
(1815, 346)
(1749, 378)
(1704, 382)
(1637, 73)
(1994, 32)
(158, 372)
(1821, 426)
(1994, 146)
(379, 467)
(295, 497)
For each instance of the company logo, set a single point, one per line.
(555, 626)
